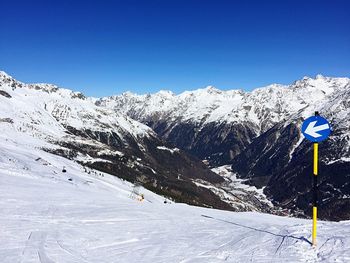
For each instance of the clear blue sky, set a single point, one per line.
(108, 47)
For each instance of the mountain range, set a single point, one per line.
(201, 147)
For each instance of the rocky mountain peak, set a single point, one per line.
(166, 93)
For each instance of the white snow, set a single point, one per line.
(238, 187)
(295, 146)
(168, 149)
(262, 107)
(43, 109)
(50, 216)
(342, 159)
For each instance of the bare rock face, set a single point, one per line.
(216, 143)
(5, 94)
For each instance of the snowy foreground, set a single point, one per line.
(50, 216)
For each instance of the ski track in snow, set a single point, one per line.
(46, 218)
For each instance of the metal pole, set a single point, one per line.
(314, 208)
(315, 190)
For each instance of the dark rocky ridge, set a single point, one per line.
(289, 181)
(5, 94)
(161, 171)
(216, 143)
(265, 161)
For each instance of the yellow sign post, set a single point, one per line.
(315, 129)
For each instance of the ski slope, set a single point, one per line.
(82, 216)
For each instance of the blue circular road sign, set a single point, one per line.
(316, 129)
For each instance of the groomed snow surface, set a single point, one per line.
(86, 216)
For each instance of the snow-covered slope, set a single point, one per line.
(84, 215)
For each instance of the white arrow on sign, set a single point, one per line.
(312, 130)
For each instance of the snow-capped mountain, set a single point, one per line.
(232, 118)
(258, 133)
(246, 137)
(71, 125)
(268, 104)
